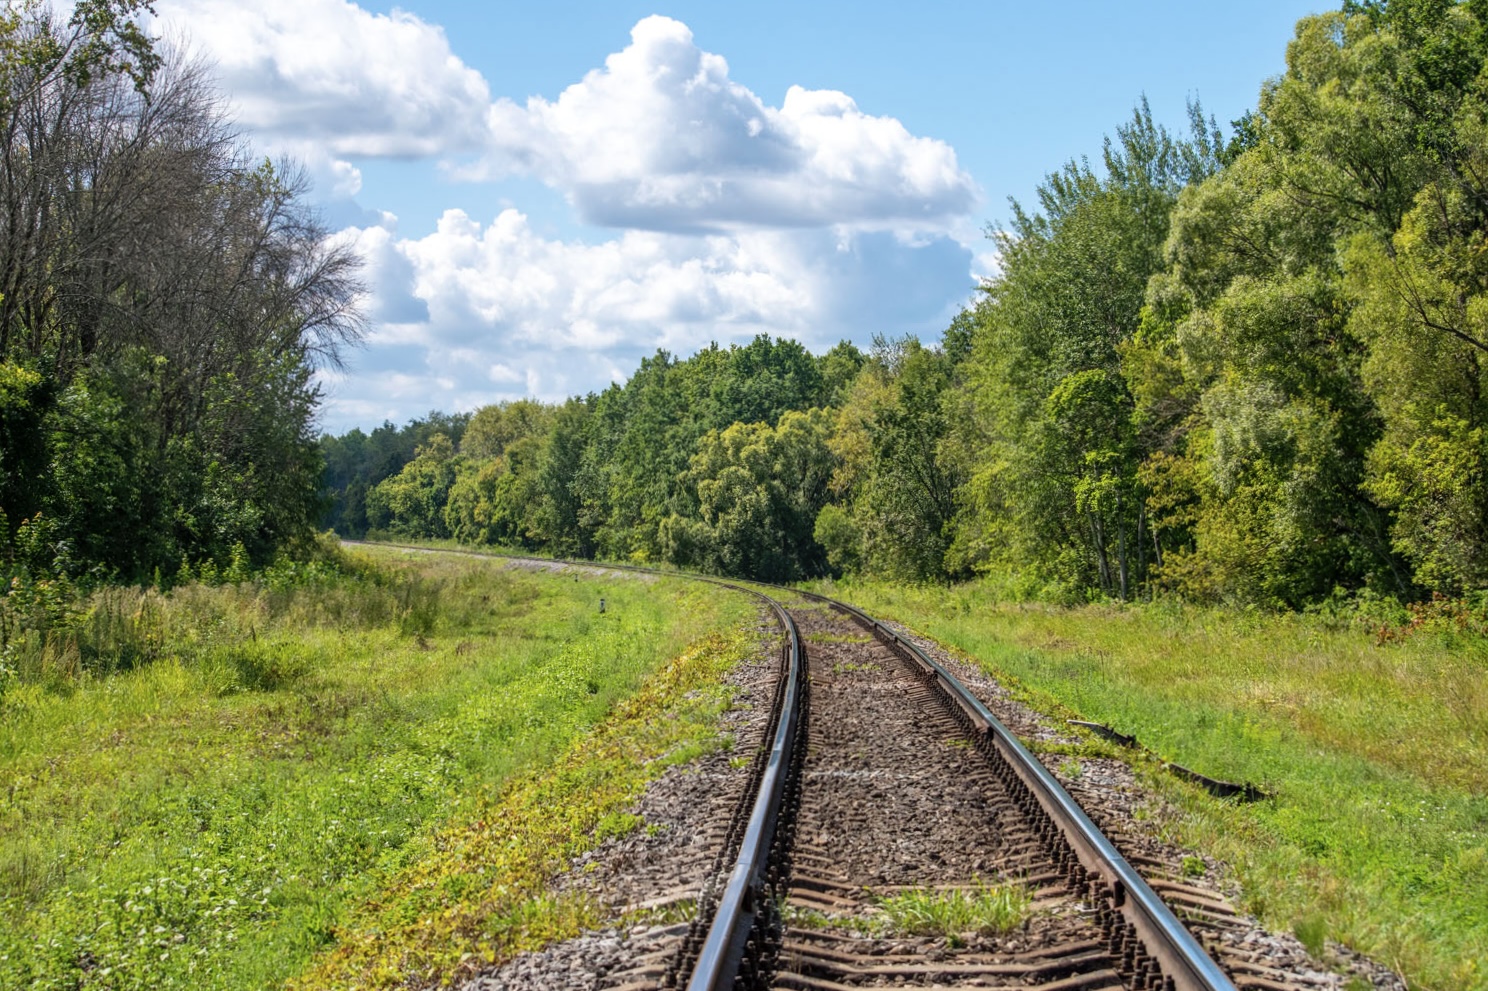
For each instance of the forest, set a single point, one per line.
(1238, 365)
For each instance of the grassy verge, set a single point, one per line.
(476, 894)
(290, 762)
(1377, 837)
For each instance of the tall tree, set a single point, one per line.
(165, 296)
(1047, 437)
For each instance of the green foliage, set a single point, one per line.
(24, 399)
(1251, 372)
(987, 910)
(758, 492)
(618, 474)
(839, 537)
(1050, 433)
(494, 429)
(356, 462)
(412, 503)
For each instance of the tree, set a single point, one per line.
(758, 490)
(1046, 436)
(492, 429)
(412, 503)
(167, 296)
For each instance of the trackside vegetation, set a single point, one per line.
(294, 779)
(1374, 747)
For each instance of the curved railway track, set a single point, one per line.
(879, 773)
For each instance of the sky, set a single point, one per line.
(544, 193)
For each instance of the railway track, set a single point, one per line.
(881, 780)
(908, 790)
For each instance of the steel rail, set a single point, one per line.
(739, 906)
(1184, 964)
(721, 955)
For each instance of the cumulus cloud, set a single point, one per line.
(732, 217)
(659, 138)
(662, 139)
(330, 73)
(509, 313)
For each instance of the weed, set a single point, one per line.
(1312, 931)
(669, 914)
(985, 910)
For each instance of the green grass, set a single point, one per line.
(1377, 753)
(951, 913)
(223, 812)
(955, 912)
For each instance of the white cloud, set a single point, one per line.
(328, 72)
(812, 219)
(640, 286)
(662, 139)
(508, 313)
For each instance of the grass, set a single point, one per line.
(956, 912)
(1377, 754)
(349, 779)
(951, 913)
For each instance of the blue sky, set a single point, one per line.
(545, 192)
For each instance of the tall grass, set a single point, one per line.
(196, 788)
(1377, 752)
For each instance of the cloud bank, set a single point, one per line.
(330, 75)
(498, 311)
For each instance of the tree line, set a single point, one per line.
(1240, 364)
(165, 298)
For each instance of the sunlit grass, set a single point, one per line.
(475, 894)
(951, 913)
(1377, 753)
(213, 816)
(985, 911)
